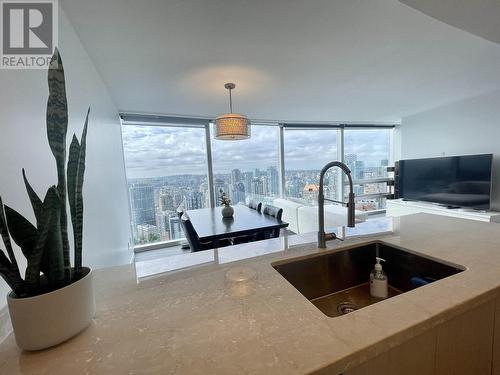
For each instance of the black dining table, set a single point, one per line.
(211, 226)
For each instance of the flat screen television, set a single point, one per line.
(457, 181)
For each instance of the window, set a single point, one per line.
(166, 166)
(247, 168)
(367, 152)
(306, 152)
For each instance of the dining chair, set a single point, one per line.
(192, 238)
(275, 212)
(180, 211)
(255, 205)
(269, 210)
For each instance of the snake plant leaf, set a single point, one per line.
(25, 235)
(57, 116)
(36, 202)
(72, 171)
(78, 222)
(4, 261)
(52, 264)
(72, 176)
(57, 110)
(57, 126)
(49, 236)
(9, 275)
(4, 232)
(22, 231)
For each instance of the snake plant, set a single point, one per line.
(46, 245)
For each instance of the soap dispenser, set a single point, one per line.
(378, 281)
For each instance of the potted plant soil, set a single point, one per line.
(54, 301)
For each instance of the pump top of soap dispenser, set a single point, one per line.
(378, 266)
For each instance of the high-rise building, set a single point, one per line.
(175, 228)
(147, 233)
(193, 200)
(162, 223)
(166, 201)
(357, 167)
(294, 187)
(350, 159)
(257, 187)
(359, 170)
(265, 185)
(142, 204)
(247, 181)
(203, 188)
(235, 176)
(178, 199)
(238, 193)
(272, 181)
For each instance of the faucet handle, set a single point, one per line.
(331, 236)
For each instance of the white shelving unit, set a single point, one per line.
(399, 207)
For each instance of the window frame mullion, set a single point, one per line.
(341, 158)
(210, 170)
(281, 161)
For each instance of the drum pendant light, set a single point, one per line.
(231, 126)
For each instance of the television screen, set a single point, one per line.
(463, 181)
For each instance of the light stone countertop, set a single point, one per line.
(230, 315)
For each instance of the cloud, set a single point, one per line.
(152, 151)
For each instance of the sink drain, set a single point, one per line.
(346, 307)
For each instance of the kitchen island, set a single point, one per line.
(234, 315)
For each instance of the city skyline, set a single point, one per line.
(152, 151)
(154, 201)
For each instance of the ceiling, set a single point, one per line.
(479, 17)
(300, 60)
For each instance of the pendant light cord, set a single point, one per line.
(230, 101)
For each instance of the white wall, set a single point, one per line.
(470, 126)
(23, 143)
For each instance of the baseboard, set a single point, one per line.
(5, 324)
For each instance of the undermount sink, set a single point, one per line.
(339, 282)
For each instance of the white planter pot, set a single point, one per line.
(48, 319)
(227, 211)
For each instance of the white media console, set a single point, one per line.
(399, 207)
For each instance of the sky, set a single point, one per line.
(154, 151)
